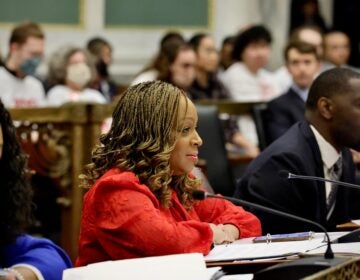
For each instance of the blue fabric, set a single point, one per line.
(41, 253)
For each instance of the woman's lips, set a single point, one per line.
(193, 157)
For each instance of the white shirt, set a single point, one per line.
(147, 76)
(329, 156)
(246, 86)
(283, 78)
(61, 94)
(16, 92)
(302, 93)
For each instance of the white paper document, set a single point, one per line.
(175, 267)
(244, 249)
(239, 251)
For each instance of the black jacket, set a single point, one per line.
(297, 151)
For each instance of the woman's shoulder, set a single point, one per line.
(93, 95)
(119, 180)
(118, 183)
(58, 89)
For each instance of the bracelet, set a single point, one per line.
(17, 274)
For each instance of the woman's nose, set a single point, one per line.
(197, 139)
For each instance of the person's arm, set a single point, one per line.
(237, 222)
(249, 148)
(131, 221)
(20, 273)
(38, 256)
(234, 136)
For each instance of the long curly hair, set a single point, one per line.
(142, 136)
(15, 191)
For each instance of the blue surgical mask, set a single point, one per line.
(28, 67)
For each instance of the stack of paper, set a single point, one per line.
(175, 267)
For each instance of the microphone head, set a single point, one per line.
(284, 174)
(198, 195)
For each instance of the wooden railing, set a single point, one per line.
(59, 143)
(230, 107)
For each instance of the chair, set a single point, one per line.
(259, 114)
(213, 150)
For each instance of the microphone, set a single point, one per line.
(353, 236)
(288, 175)
(289, 270)
(200, 195)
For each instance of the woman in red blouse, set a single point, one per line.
(139, 203)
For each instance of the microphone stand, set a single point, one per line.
(353, 236)
(289, 175)
(293, 270)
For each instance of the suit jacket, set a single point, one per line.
(282, 113)
(296, 151)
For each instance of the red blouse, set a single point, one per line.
(122, 219)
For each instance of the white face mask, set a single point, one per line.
(78, 73)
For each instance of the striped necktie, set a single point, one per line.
(335, 174)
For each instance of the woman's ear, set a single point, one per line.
(325, 107)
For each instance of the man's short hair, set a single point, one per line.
(330, 83)
(254, 34)
(301, 47)
(95, 45)
(295, 34)
(25, 30)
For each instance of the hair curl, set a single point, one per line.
(142, 136)
(15, 191)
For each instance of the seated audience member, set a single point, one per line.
(336, 50)
(307, 34)
(227, 47)
(246, 79)
(71, 71)
(139, 203)
(178, 66)
(169, 41)
(22, 256)
(18, 87)
(318, 146)
(303, 64)
(102, 52)
(208, 86)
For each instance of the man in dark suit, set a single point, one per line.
(303, 63)
(311, 147)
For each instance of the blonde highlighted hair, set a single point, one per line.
(142, 136)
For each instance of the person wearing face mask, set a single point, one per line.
(101, 50)
(18, 86)
(71, 71)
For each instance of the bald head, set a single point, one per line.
(333, 107)
(332, 82)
